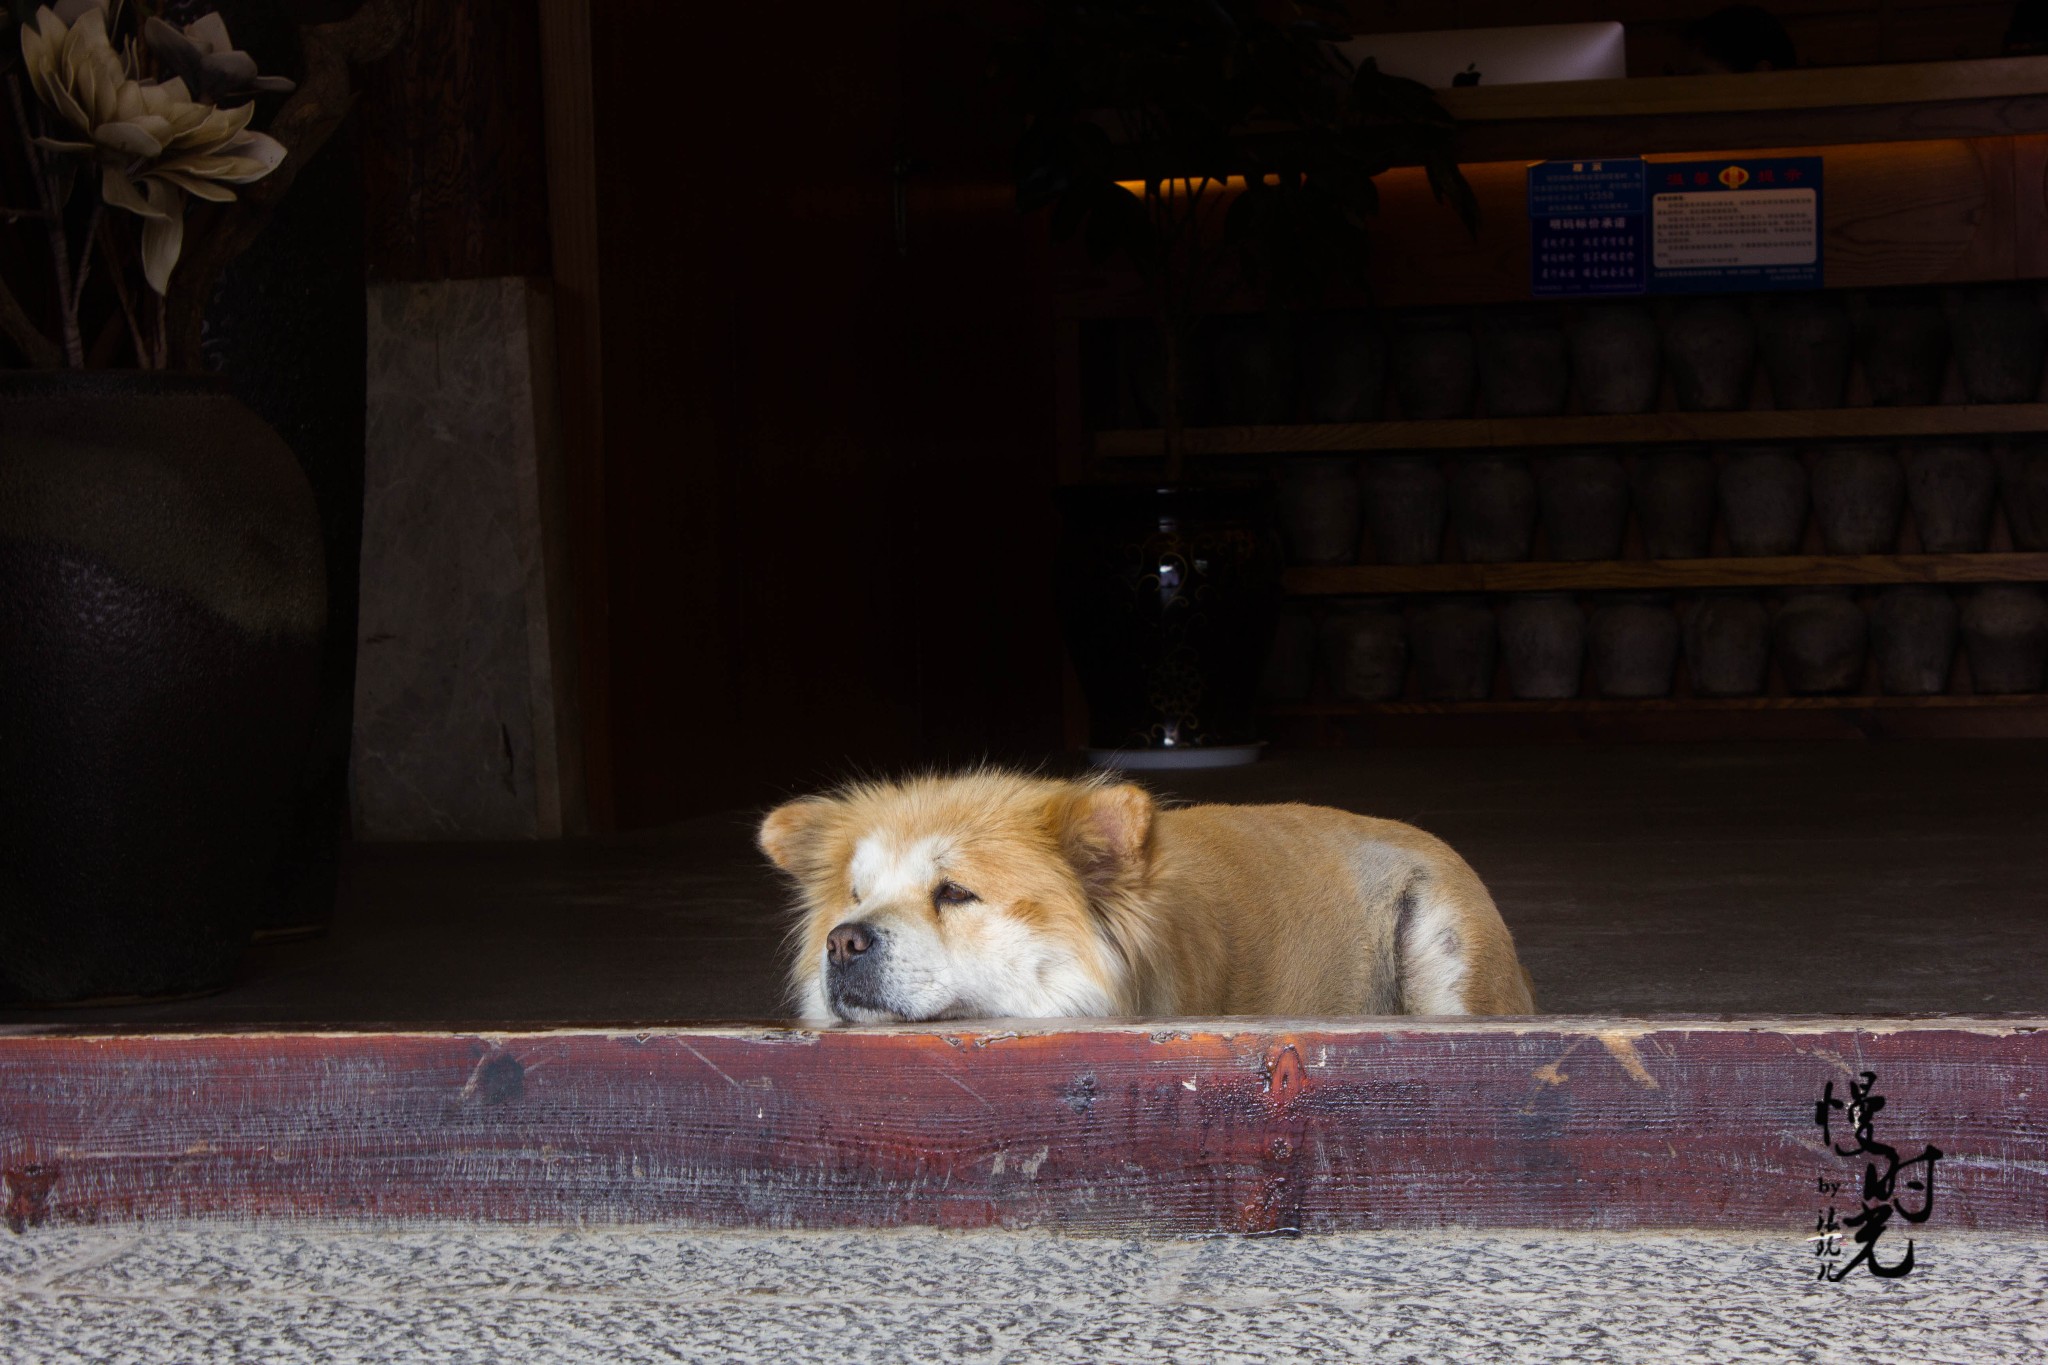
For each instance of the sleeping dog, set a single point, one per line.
(993, 894)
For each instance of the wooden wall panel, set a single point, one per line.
(456, 182)
(827, 459)
(1198, 1128)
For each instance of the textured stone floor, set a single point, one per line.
(337, 1296)
(1833, 878)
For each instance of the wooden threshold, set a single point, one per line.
(1723, 571)
(1172, 1127)
(1471, 433)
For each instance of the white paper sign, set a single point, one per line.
(1734, 228)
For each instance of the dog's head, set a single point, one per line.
(979, 896)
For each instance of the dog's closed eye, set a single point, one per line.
(952, 893)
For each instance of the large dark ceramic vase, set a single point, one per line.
(1807, 342)
(1763, 500)
(1169, 598)
(2001, 340)
(1543, 639)
(1951, 486)
(1493, 505)
(1343, 367)
(1913, 634)
(1822, 640)
(1674, 501)
(162, 597)
(1365, 650)
(1614, 349)
(1524, 366)
(1436, 366)
(1859, 496)
(1583, 501)
(2005, 634)
(1727, 644)
(1405, 507)
(1253, 361)
(1902, 342)
(1319, 511)
(1634, 638)
(1455, 646)
(1710, 345)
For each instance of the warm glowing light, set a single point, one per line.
(1186, 184)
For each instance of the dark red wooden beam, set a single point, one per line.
(1239, 1127)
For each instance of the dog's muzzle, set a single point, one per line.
(853, 968)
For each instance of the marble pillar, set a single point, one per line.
(465, 722)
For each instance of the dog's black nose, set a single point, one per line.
(848, 942)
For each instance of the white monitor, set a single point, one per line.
(1498, 56)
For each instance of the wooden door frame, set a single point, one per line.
(571, 149)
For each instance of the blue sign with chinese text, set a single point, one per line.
(1588, 227)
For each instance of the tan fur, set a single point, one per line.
(1092, 900)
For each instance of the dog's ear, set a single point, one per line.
(790, 832)
(1106, 833)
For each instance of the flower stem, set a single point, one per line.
(67, 302)
(84, 272)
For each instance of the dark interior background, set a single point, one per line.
(816, 531)
(810, 455)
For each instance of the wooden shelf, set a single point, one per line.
(1936, 204)
(1473, 433)
(1652, 705)
(1837, 105)
(1729, 571)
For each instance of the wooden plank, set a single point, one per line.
(1653, 705)
(1483, 726)
(1721, 572)
(1474, 433)
(1759, 92)
(1185, 1128)
(1680, 132)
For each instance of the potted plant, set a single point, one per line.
(161, 583)
(1214, 146)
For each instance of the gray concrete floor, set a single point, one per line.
(1840, 878)
(469, 1295)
